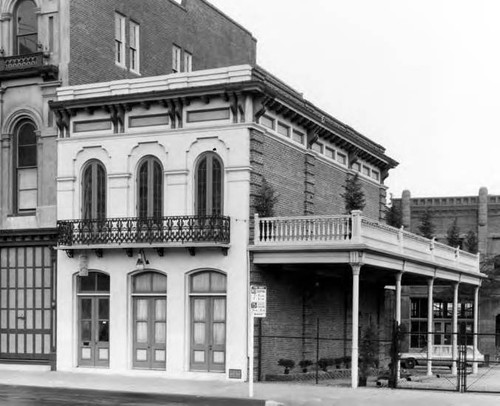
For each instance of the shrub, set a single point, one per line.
(304, 364)
(287, 364)
(324, 363)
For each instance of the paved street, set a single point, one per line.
(26, 396)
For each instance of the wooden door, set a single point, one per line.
(149, 324)
(208, 334)
(93, 314)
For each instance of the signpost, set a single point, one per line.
(258, 299)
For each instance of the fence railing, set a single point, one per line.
(17, 62)
(172, 229)
(352, 229)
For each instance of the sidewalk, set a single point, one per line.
(288, 394)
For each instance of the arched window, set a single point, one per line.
(207, 291)
(25, 167)
(94, 191)
(150, 188)
(26, 28)
(209, 185)
(93, 319)
(149, 319)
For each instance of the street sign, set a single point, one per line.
(258, 296)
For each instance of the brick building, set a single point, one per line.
(159, 226)
(479, 214)
(50, 43)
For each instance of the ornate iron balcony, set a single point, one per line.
(18, 66)
(170, 230)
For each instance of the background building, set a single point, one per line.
(50, 43)
(479, 214)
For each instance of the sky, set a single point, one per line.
(419, 77)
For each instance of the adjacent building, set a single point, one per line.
(45, 44)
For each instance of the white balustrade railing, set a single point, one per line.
(356, 229)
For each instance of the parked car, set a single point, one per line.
(441, 356)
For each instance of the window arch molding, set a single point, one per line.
(199, 271)
(93, 190)
(209, 184)
(149, 187)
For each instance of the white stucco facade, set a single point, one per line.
(178, 151)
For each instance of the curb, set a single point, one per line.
(273, 403)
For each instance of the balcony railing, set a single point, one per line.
(339, 231)
(133, 230)
(17, 62)
(20, 66)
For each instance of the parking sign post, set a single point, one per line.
(258, 298)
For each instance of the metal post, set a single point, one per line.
(250, 355)
(259, 365)
(454, 337)
(476, 330)
(430, 341)
(317, 348)
(356, 268)
(398, 318)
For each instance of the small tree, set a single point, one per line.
(354, 197)
(266, 200)
(453, 235)
(470, 242)
(426, 227)
(393, 215)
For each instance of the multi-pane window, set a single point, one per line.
(188, 62)
(134, 52)
(94, 191)
(26, 27)
(176, 59)
(26, 177)
(150, 187)
(119, 39)
(330, 153)
(209, 185)
(298, 136)
(318, 147)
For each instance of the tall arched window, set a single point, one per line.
(94, 191)
(207, 291)
(150, 188)
(209, 185)
(25, 167)
(26, 28)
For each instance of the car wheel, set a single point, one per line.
(410, 363)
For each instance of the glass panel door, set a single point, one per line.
(149, 323)
(208, 333)
(93, 315)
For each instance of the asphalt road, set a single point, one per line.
(30, 396)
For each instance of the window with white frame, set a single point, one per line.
(120, 39)
(318, 147)
(188, 62)
(267, 121)
(342, 158)
(134, 44)
(356, 166)
(366, 170)
(25, 167)
(176, 58)
(330, 153)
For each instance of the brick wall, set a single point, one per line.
(296, 300)
(213, 39)
(305, 184)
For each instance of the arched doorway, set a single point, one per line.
(93, 319)
(149, 320)
(207, 292)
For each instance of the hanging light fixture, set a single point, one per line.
(141, 260)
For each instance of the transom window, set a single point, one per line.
(209, 185)
(26, 28)
(25, 166)
(94, 191)
(94, 282)
(149, 282)
(208, 282)
(150, 187)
